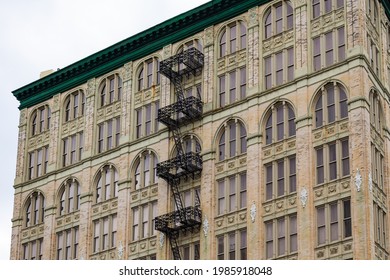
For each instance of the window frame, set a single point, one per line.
(227, 44)
(102, 187)
(224, 141)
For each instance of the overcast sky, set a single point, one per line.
(50, 34)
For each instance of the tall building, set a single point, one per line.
(237, 123)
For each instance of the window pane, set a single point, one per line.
(317, 53)
(268, 72)
(320, 166)
(332, 162)
(269, 187)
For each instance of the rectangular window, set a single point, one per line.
(290, 64)
(96, 237)
(109, 135)
(100, 137)
(332, 161)
(293, 234)
(345, 157)
(242, 190)
(117, 131)
(331, 104)
(317, 53)
(148, 119)
(268, 72)
(280, 187)
(149, 77)
(221, 197)
(320, 165)
(243, 245)
(242, 83)
(279, 68)
(347, 218)
(232, 246)
(232, 87)
(138, 123)
(281, 236)
(329, 49)
(268, 182)
(341, 43)
(145, 221)
(232, 193)
(222, 91)
(221, 248)
(316, 8)
(334, 226)
(279, 18)
(321, 230)
(135, 224)
(269, 241)
(292, 175)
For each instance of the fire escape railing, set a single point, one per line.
(183, 165)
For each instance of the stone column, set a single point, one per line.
(301, 38)
(85, 225)
(127, 79)
(208, 69)
(54, 141)
(306, 218)
(89, 119)
(253, 51)
(360, 166)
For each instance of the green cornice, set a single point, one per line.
(135, 47)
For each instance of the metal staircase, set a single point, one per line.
(183, 165)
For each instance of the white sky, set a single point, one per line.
(50, 34)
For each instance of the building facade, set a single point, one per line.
(239, 122)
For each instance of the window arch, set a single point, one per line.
(232, 38)
(69, 198)
(232, 140)
(331, 104)
(278, 18)
(110, 90)
(107, 184)
(148, 74)
(280, 123)
(74, 105)
(376, 112)
(40, 120)
(145, 170)
(34, 209)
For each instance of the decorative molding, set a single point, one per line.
(253, 17)
(370, 182)
(162, 238)
(91, 85)
(127, 71)
(209, 36)
(358, 180)
(205, 226)
(303, 196)
(253, 212)
(167, 51)
(121, 250)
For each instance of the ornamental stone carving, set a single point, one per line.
(358, 180)
(91, 85)
(370, 181)
(162, 238)
(253, 17)
(167, 51)
(209, 36)
(127, 71)
(253, 212)
(121, 250)
(303, 196)
(205, 226)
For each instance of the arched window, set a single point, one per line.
(148, 74)
(331, 104)
(107, 184)
(280, 123)
(233, 38)
(278, 18)
(40, 120)
(232, 141)
(110, 90)
(74, 105)
(145, 172)
(69, 197)
(376, 112)
(34, 209)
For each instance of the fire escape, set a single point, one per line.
(184, 165)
